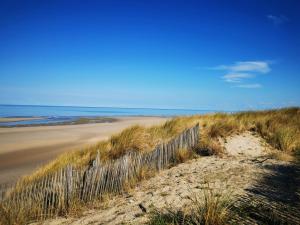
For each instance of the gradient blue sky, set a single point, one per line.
(223, 55)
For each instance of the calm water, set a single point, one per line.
(57, 114)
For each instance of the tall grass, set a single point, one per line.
(280, 128)
(135, 138)
(212, 208)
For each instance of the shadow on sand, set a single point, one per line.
(275, 199)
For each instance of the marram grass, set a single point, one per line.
(280, 128)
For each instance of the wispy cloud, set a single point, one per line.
(236, 77)
(277, 20)
(239, 71)
(247, 66)
(249, 86)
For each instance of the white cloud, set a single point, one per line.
(236, 77)
(277, 20)
(239, 71)
(249, 86)
(247, 66)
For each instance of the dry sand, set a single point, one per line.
(23, 149)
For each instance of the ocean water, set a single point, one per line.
(60, 114)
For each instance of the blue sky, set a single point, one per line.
(224, 55)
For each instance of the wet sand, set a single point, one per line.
(16, 119)
(23, 149)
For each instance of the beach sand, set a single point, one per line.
(23, 149)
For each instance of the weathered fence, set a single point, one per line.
(55, 193)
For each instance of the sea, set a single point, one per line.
(62, 114)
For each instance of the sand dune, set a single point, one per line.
(239, 174)
(23, 149)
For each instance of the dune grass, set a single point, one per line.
(280, 128)
(135, 138)
(212, 208)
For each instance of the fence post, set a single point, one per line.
(69, 183)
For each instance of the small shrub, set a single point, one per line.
(168, 218)
(214, 210)
(209, 146)
(281, 155)
(210, 209)
(183, 155)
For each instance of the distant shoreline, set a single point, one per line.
(108, 107)
(70, 113)
(17, 119)
(9, 122)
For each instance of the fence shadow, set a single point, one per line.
(275, 199)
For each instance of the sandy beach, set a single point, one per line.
(23, 149)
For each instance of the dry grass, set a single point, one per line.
(135, 138)
(144, 173)
(282, 156)
(280, 128)
(212, 208)
(183, 155)
(209, 146)
(24, 215)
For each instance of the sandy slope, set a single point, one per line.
(242, 170)
(22, 149)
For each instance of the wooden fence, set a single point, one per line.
(57, 192)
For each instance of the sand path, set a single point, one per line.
(23, 149)
(237, 174)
